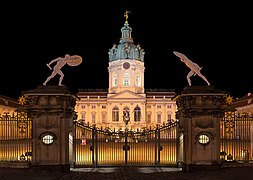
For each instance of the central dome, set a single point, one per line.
(126, 49)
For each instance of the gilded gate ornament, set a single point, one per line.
(22, 100)
(229, 100)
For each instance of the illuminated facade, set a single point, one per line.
(244, 105)
(126, 92)
(7, 105)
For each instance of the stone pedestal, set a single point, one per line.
(200, 109)
(52, 111)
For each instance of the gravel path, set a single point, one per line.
(128, 174)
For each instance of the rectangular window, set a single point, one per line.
(159, 106)
(103, 107)
(149, 118)
(159, 118)
(126, 81)
(83, 115)
(169, 117)
(93, 118)
(114, 80)
(138, 81)
(115, 116)
(93, 107)
(103, 117)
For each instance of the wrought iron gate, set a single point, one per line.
(236, 137)
(104, 147)
(15, 137)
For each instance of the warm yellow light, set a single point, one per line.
(204, 139)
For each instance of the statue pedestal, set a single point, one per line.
(52, 111)
(199, 111)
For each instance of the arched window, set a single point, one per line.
(126, 81)
(115, 80)
(137, 113)
(115, 114)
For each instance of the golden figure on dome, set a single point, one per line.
(126, 15)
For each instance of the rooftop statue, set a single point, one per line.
(195, 69)
(126, 15)
(74, 60)
(112, 52)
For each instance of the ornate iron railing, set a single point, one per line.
(15, 137)
(236, 137)
(148, 147)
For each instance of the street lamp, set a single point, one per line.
(126, 117)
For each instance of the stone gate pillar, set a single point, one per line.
(52, 111)
(199, 111)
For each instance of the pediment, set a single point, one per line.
(127, 95)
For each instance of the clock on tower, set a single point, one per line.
(126, 65)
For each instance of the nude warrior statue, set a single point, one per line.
(60, 62)
(195, 69)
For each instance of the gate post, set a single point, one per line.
(156, 145)
(52, 111)
(199, 111)
(159, 145)
(93, 147)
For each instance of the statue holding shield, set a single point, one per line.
(74, 60)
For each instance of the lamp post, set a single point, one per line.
(126, 119)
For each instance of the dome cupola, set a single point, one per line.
(126, 49)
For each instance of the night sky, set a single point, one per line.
(216, 36)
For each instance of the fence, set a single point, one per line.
(148, 147)
(156, 146)
(236, 137)
(15, 137)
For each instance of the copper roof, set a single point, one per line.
(7, 101)
(243, 101)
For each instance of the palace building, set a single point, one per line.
(244, 105)
(126, 93)
(142, 124)
(8, 105)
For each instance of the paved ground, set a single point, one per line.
(128, 174)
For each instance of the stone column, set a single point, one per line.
(52, 111)
(200, 109)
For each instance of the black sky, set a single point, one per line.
(217, 36)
